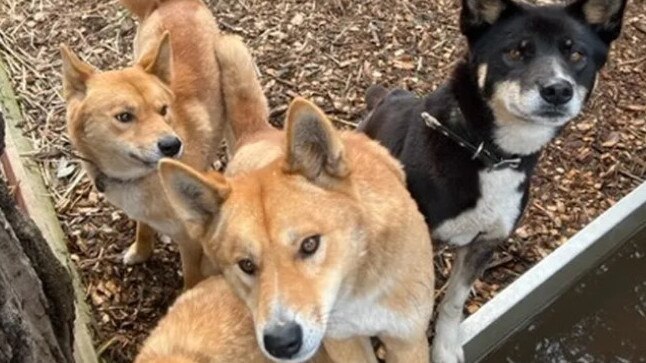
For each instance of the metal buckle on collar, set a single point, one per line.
(431, 121)
(478, 151)
(506, 163)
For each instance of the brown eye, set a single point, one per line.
(310, 245)
(125, 117)
(576, 57)
(514, 54)
(247, 266)
(164, 110)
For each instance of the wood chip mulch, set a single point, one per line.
(330, 52)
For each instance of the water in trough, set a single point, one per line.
(601, 320)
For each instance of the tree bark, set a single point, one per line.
(36, 295)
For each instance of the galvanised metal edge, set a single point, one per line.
(538, 287)
(38, 205)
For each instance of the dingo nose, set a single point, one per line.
(283, 341)
(169, 145)
(557, 93)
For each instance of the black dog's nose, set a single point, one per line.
(283, 341)
(557, 93)
(169, 145)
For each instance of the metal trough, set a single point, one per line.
(535, 290)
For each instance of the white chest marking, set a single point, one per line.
(523, 138)
(495, 212)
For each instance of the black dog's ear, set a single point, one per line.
(478, 15)
(604, 16)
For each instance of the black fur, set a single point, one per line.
(441, 175)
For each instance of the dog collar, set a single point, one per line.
(480, 151)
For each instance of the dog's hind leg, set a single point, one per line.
(142, 248)
(469, 263)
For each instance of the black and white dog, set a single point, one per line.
(470, 148)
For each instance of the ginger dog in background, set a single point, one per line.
(313, 229)
(168, 104)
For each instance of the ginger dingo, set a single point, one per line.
(168, 104)
(313, 229)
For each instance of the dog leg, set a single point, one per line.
(358, 349)
(470, 261)
(404, 351)
(230, 139)
(142, 249)
(191, 255)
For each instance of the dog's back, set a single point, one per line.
(209, 321)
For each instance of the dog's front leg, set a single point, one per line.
(142, 248)
(191, 253)
(470, 261)
(406, 351)
(357, 349)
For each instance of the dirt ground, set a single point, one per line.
(329, 51)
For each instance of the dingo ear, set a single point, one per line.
(478, 15)
(196, 198)
(158, 61)
(75, 74)
(313, 146)
(604, 16)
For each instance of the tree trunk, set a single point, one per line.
(36, 295)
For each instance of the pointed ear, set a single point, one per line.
(195, 197)
(604, 16)
(314, 148)
(158, 61)
(75, 74)
(478, 15)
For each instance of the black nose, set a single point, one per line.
(283, 341)
(557, 93)
(169, 145)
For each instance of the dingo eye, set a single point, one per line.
(247, 266)
(164, 110)
(576, 57)
(124, 117)
(573, 55)
(518, 53)
(310, 245)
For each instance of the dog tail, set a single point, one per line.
(245, 103)
(374, 95)
(141, 8)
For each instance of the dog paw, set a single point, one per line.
(447, 352)
(133, 257)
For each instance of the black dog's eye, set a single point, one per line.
(576, 57)
(164, 110)
(247, 266)
(518, 53)
(514, 55)
(310, 245)
(125, 117)
(573, 55)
